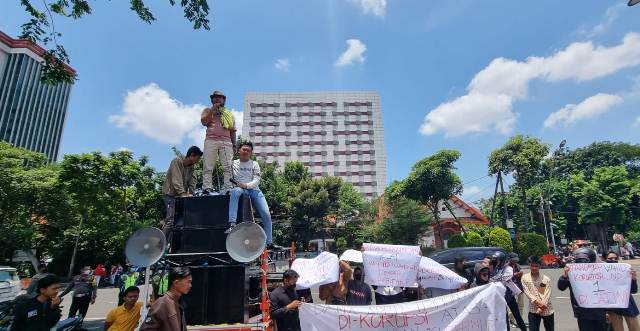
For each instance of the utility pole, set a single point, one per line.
(544, 220)
(75, 250)
(504, 202)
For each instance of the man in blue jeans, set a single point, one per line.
(246, 176)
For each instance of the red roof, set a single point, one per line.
(23, 43)
(472, 210)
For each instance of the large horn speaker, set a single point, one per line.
(246, 242)
(145, 247)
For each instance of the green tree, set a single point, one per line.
(499, 237)
(41, 27)
(456, 240)
(405, 224)
(433, 179)
(604, 199)
(531, 244)
(473, 239)
(521, 157)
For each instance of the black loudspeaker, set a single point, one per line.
(198, 240)
(217, 295)
(209, 211)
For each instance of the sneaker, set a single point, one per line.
(231, 225)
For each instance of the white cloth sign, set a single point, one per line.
(480, 308)
(399, 249)
(435, 275)
(601, 285)
(351, 255)
(323, 269)
(391, 269)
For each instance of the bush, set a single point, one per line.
(456, 240)
(531, 244)
(499, 237)
(474, 239)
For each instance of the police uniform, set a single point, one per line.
(84, 291)
(166, 314)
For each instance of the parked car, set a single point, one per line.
(473, 255)
(9, 284)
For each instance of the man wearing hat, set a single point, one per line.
(219, 142)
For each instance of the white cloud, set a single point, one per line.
(123, 149)
(636, 124)
(354, 53)
(471, 190)
(282, 64)
(488, 104)
(591, 107)
(375, 7)
(152, 111)
(610, 16)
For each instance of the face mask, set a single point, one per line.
(357, 276)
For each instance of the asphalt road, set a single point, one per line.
(564, 320)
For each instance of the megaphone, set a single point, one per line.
(145, 246)
(246, 242)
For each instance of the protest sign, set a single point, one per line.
(351, 255)
(400, 249)
(480, 308)
(601, 285)
(391, 269)
(323, 269)
(432, 274)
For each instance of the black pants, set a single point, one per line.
(534, 322)
(389, 299)
(80, 304)
(515, 311)
(591, 325)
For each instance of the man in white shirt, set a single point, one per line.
(246, 176)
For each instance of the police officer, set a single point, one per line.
(84, 292)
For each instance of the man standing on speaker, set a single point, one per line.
(179, 182)
(246, 173)
(167, 313)
(285, 303)
(219, 142)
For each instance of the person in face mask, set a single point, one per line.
(285, 303)
(481, 271)
(84, 292)
(630, 313)
(358, 292)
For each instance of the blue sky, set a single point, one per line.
(451, 74)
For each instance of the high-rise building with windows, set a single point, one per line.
(32, 114)
(332, 133)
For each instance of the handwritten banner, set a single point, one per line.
(480, 308)
(323, 269)
(399, 249)
(390, 269)
(601, 285)
(434, 274)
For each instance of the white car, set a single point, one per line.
(9, 284)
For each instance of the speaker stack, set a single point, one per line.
(225, 286)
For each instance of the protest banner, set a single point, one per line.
(391, 269)
(601, 285)
(351, 255)
(481, 308)
(434, 274)
(400, 249)
(323, 269)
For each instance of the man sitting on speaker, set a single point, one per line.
(167, 313)
(246, 175)
(179, 182)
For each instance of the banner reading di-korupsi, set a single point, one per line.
(478, 309)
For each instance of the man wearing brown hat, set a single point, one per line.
(219, 142)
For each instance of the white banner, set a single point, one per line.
(323, 269)
(434, 274)
(601, 285)
(390, 269)
(400, 249)
(480, 308)
(351, 255)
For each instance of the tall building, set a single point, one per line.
(332, 133)
(32, 114)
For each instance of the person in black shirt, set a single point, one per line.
(589, 319)
(460, 268)
(285, 303)
(40, 312)
(358, 292)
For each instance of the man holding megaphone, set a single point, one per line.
(219, 142)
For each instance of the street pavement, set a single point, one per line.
(108, 299)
